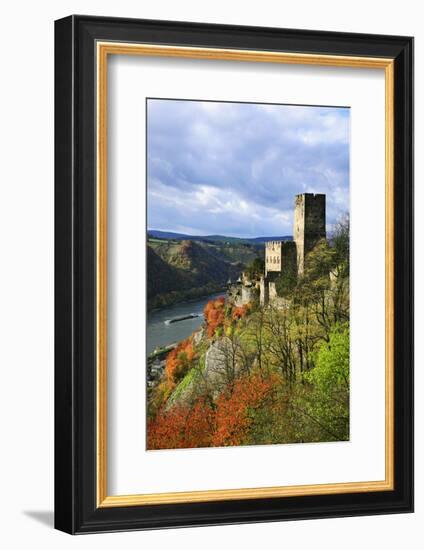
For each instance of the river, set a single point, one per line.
(159, 334)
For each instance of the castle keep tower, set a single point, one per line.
(309, 225)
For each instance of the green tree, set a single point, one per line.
(340, 240)
(327, 404)
(286, 282)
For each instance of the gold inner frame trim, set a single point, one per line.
(104, 49)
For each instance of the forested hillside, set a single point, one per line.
(181, 270)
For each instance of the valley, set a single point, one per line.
(182, 270)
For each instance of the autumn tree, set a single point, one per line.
(214, 314)
(182, 427)
(234, 410)
(179, 361)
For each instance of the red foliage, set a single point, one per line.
(239, 312)
(182, 427)
(202, 425)
(232, 414)
(178, 360)
(214, 312)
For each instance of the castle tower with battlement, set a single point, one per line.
(282, 256)
(309, 225)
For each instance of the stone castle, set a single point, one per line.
(309, 228)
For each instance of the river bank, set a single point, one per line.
(168, 299)
(161, 335)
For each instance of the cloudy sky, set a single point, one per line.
(235, 168)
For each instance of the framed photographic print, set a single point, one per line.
(234, 268)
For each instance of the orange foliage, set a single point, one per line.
(232, 414)
(214, 312)
(239, 312)
(182, 427)
(225, 423)
(178, 360)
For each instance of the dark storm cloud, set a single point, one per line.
(235, 168)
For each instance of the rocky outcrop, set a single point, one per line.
(223, 362)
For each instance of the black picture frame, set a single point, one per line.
(76, 510)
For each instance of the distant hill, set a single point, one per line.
(169, 235)
(255, 241)
(178, 270)
(162, 277)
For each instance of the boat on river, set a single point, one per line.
(182, 318)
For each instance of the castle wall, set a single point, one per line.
(289, 256)
(247, 295)
(263, 292)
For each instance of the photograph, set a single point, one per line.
(247, 260)
(233, 268)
